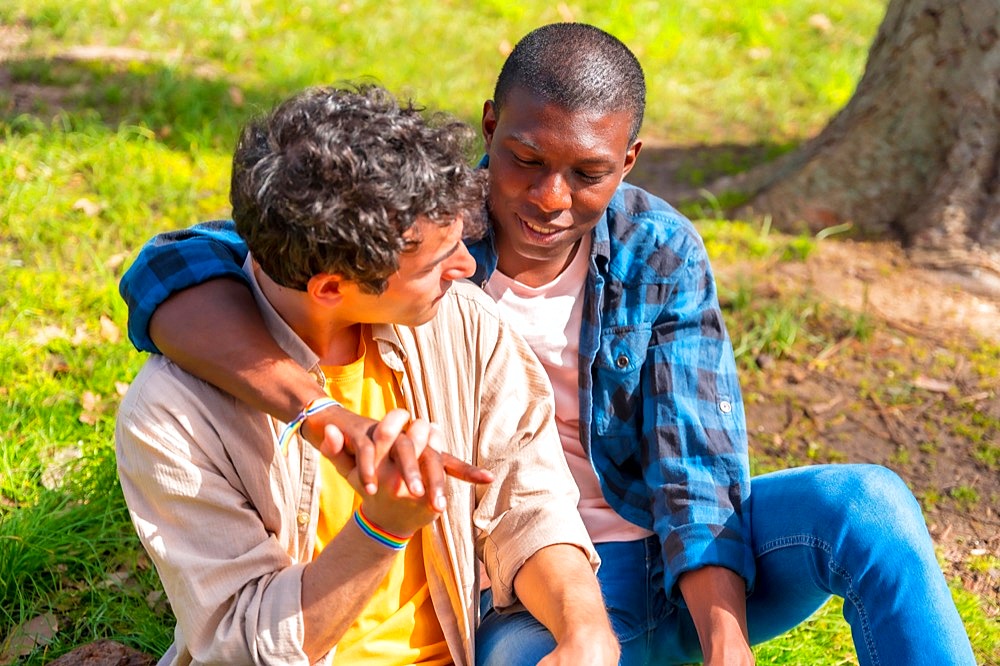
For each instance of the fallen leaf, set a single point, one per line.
(53, 475)
(91, 406)
(933, 385)
(25, 637)
(121, 388)
(88, 207)
(21, 172)
(821, 22)
(56, 365)
(109, 331)
(115, 261)
(80, 336)
(236, 96)
(47, 334)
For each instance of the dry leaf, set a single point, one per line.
(109, 331)
(505, 47)
(92, 408)
(80, 336)
(56, 365)
(53, 475)
(25, 637)
(88, 207)
(21, 172)
(821, 22)
(121, 388)
(933, 385)
(47, 334)
(115, 261)
(236, 96)
(565, 12)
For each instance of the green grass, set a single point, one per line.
(98, 153)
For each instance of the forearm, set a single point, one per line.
(558, 586)
(716, 599)
(215, 332)
(338, 585)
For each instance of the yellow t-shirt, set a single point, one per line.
(398, 626)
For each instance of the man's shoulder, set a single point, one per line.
(646, 232)
(633, 206)
(161, 387)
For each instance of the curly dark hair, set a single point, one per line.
(332, 179)
(576, 66)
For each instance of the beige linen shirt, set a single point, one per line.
(229, 521)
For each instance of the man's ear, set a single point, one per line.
(489, 122)
(326, 288)
(630, 157)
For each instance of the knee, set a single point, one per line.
(875, 497)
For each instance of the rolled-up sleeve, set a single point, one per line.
(697, 469)
(174, 261)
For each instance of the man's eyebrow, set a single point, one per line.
(597, 159)
(444, 255)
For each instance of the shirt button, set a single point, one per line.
(622, 361)
(302, 518)
(726, 406)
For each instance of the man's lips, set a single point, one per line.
(539, 229)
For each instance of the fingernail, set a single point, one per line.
(371, 488)
(417, 488)
(439, 503)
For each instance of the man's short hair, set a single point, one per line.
(575, 66)
(332, 179)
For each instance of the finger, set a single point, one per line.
(433, 471)
(463, 471)
(381, 437)
(332, 443)
(408, 448)
(332, 447)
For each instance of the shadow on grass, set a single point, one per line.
(185, 106)
(681, 174)
(182, 109)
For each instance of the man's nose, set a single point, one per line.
(551, 193)
(461, 264)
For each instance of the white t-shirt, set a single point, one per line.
(549, 318)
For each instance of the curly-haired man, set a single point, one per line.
(354, 208)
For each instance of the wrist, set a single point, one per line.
(296, 425)
(387, 538)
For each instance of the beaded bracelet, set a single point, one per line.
(387, 539)
(312, 407)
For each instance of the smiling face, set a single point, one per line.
(414, 292)
(552, 174)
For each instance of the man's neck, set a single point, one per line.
(334, 340)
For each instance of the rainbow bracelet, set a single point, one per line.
(387, 539)
(312, 407)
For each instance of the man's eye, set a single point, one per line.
(591, 177)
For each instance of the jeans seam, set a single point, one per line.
(836, 568)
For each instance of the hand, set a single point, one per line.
(413, 447)
(597, 646)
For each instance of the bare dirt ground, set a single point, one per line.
(918, 396)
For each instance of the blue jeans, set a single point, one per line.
(850, 530)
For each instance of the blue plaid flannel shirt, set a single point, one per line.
(661, 413)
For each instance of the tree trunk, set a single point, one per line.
(914, 154)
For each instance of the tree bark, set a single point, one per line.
(914, 154)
